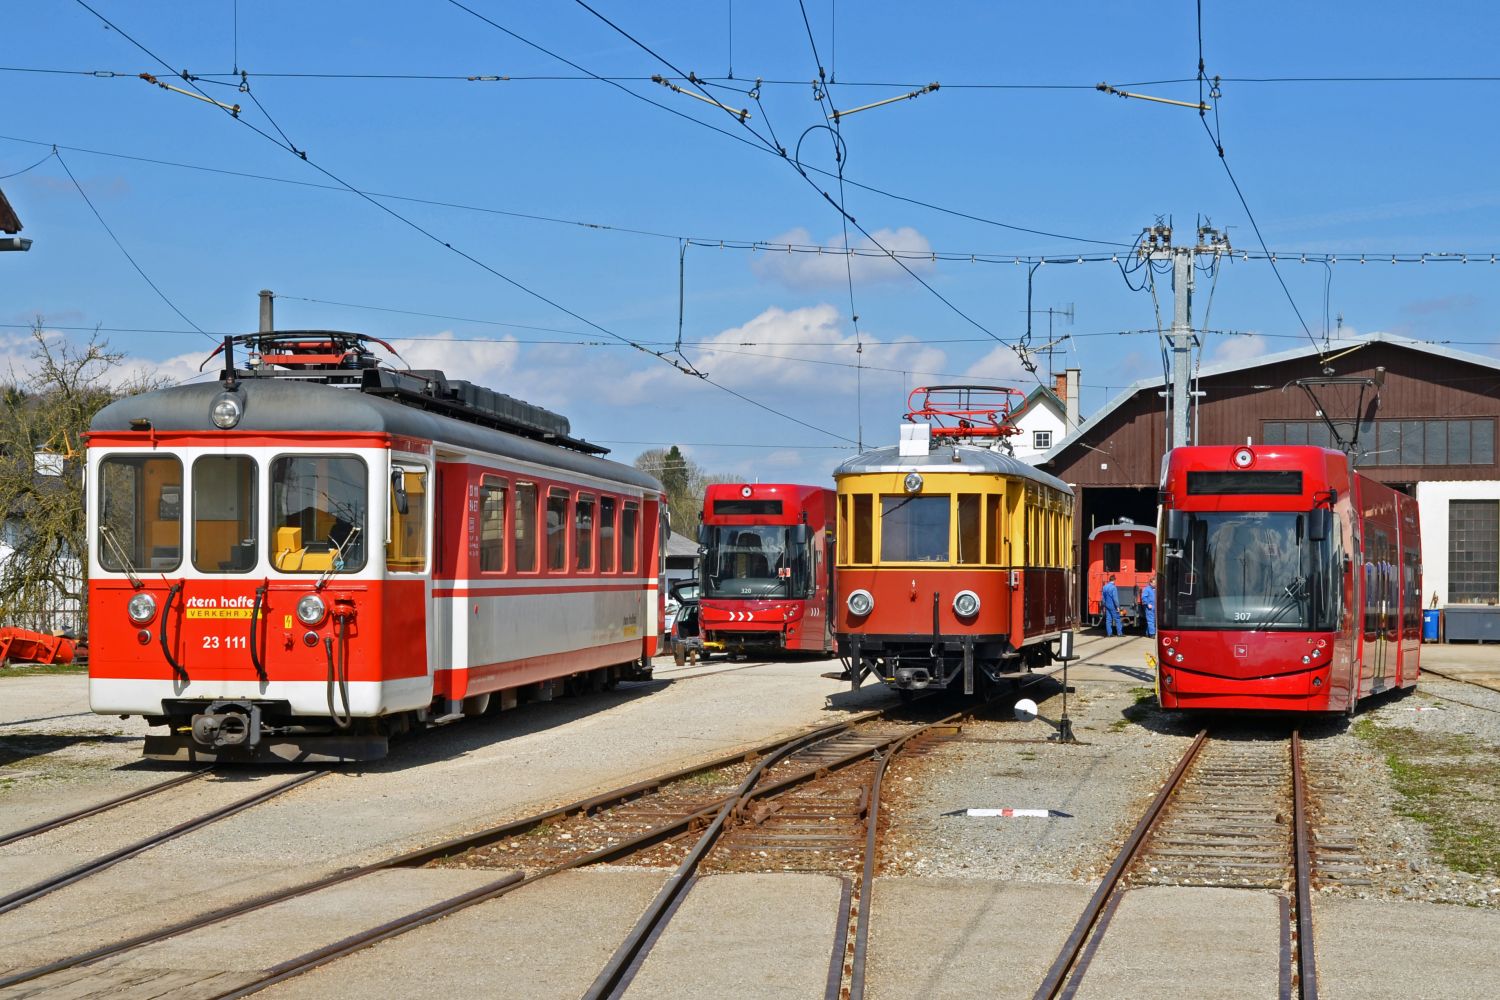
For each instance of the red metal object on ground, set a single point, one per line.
(1289, 581)
(24, 646)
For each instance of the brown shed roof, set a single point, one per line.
(9, 223)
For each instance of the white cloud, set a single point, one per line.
(1000, 363)
(806, 269)
(481, 361)
(1235, 350)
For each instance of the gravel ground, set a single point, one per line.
(1127, 746)
(1101, 784)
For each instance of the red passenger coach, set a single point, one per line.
(317, 552)
(767, 567)
(1288, 581)
(1126, 551)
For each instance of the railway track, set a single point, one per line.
(1232, 814)
(108, 859)
(678, 798)
(122, 800)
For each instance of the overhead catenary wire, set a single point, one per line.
(128, 256)
(469, 257)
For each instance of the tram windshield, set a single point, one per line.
(756, 561)
(1255, 571)
(318, 513)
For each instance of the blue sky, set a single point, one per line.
(573, 196)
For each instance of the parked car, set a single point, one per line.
(683, 636)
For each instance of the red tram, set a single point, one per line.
(956, 562)
(767, 567)
(316, 553)
(1127, 551)
(1288, 581)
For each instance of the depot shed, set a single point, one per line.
(1425, 416)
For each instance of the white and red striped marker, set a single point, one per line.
(1035, 813)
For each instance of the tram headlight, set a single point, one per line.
(861, 603)
(226, 410)
(913, 482)
(142, 608)
(311, 610)
(966, 604)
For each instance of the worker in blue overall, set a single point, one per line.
(1148, 605)
(1109, 597)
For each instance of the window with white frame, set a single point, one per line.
(1041, 439)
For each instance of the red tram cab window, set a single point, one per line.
(140, 524)
(224, 521)
(406, 552)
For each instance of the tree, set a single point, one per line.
(43, 417)
(684, 481)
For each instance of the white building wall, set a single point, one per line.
(1038, 418)
(1432, 501)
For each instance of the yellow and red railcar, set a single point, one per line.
(1288, 581)
(956, 562)
(312, 554)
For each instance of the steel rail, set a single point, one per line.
(1307, 972)
(421, 856)
(494, 890)
(1052, 985)
(94, 810)
(21, 897)
(867, 873)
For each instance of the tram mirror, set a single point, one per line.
(799, 534)
(1177, 529)
(1319, 523)
(398, 490)
(703, 534)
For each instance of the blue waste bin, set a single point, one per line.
(1430, 621)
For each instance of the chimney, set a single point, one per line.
(1062, 387)
(267, 320)
(1074, 377)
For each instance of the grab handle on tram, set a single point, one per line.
(166, 624)
(255, 614)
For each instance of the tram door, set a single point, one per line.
(1379, 607)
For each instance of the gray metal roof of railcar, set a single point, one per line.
(276, 405)
(1123, 526)
(941, 459)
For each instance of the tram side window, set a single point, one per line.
(318, 507)
(864, 528)
(526, 527)
(557, 529)
(140, 521)
(492, 525)
(968, 528)
(607, 534)
(224, 514)
(630, 530)
(406, 552)
(583, 533)
(994, 528)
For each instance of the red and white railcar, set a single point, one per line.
(1288, 581)
(767, 567)
(1126, 551)
(313, 554)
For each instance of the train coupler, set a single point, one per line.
(227, 724)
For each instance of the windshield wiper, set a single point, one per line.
(336, 561)
(108, 534)
(1291, 595)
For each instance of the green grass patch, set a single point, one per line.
(34, 669)
(1450, 784)
(707, 778)
(1132, 714)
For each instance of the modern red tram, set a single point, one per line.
(318, 552)
(1288, 581)
(767, 567)
(1126, 551)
